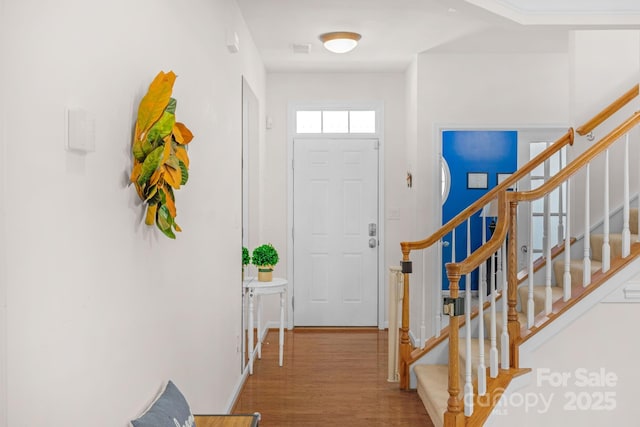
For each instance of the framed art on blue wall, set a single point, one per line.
(477, 180)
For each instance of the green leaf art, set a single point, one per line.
(160, 160)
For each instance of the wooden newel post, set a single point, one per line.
(454, 416)
(513, 326)
(405, 342)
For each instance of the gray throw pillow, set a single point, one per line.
(169, 410)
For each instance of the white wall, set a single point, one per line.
(469, 90)
(3, 248)
(478, 91)
(283, 88)
(597, 346)
(416, 288)
(102, 309)
(603, 66)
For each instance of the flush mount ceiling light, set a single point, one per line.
(340, 41)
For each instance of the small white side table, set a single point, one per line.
(257, 289)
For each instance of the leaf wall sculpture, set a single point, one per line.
(160, 160)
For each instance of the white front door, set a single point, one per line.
(335, 210)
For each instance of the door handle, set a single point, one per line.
(372, 242)
(445, 244)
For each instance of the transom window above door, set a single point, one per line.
(335, 121)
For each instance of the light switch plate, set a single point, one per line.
(80, 131)
(393, 213)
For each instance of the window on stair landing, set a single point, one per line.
(557, 200)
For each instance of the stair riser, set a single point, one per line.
(539, 297)
(575, 269)
(615, 244)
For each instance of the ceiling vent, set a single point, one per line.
(301, 47)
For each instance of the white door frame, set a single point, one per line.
(379, 135)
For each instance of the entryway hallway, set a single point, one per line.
(330, 377)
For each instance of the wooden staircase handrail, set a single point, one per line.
(459, 269)
(507, 208)
(405, 343)
(609, 111)
(587, 127)
(474, 260)
(483, 252)
(581, 161)
(565, 139)
(434, 341)
(506, 225)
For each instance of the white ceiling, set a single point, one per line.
(393, 31)
(566, 12)
(572, 6)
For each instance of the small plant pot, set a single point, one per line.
(265, 273)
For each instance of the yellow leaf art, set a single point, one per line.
(171, 205)
(181, 154)
(154, 102)
(172, 176)
(160, 161)
(183, 134)
(151, 214)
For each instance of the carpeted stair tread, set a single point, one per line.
(475, 355)
(575, 268)
(522, 318)
(433, 382)
(539, 295)
(615, 243)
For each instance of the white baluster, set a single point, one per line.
(504, 342)
(546, 241)
(453, 259)
(606, 247)
(468, 375)
(586, 260)
(453, 245)
(493, 352)
(626, 232)
(560, 204)
(530, 303)
(566, 279)
(423, 306)
(438, 292)
(482, 369)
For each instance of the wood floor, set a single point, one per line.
(329, 378)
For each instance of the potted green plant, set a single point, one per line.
(265, 257)
(246, 259)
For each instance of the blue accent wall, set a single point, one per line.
(489, 152)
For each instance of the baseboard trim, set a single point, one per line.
(337, 329)
(237, 390)
(245, 373)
